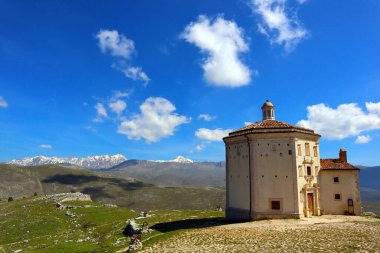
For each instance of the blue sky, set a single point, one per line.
(158, 79)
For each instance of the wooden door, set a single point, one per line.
(310, 203)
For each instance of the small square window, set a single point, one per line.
(290, 152)
(276, 205)
(336, 179)
(337, 196)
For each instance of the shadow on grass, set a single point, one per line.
(72, 179)
(165, 227)
(97, 193)
(98, 187)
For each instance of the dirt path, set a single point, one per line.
(317, 234)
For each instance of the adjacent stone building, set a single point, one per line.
(273, 170)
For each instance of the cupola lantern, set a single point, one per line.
(268, 110)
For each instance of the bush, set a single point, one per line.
(35, 194)
(10, 199)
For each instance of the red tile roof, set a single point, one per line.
(268, 126)
(336, 164)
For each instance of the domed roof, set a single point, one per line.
(268, 104)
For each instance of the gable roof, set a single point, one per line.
(270, 126)
(336, 164)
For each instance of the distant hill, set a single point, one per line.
(18, 182)
(90, 162)
(369, 180)
(172, 173)
(370, 177)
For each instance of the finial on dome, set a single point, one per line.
(268, 110)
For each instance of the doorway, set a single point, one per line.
(310, 203)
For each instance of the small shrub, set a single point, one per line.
(88, 224)
(10, 199)
(35, 194)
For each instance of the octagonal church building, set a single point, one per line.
(273, 170)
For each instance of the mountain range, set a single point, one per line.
(90, 162)
(179, 172)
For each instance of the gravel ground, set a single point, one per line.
(318, 234)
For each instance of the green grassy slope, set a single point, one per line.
(35, 225)
(19, 182)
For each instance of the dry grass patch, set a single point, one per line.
(318, 234)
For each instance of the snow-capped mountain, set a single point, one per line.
(179, 159)
(90, 162)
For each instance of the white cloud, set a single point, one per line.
(114, 43)
(111, 41)
(200, 147)
(156, 120)
(212, 135)
(135, 73)
(46, 146)
(344, 121)
(3, 102)
(206, 117)
(278, 23)
(362, 139)
(119, 94)
(373, 108)
(222, 40)
(101, 112)
(247, 123)
(117, 106)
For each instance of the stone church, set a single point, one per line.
(273, 170)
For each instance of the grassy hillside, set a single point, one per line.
(35, 224)
(19, 182)
(173, 173)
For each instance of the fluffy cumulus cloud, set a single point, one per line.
(101, 112)
(373, 108)
(212, 134)
(206, 117)
(135, 73)
(222, 41)
(156, 120)
(117, 106)
(110, 41)
(345, 121)
(118, 45)
(3, 102)
(46, 146)
(279, 23)
(362, 139)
